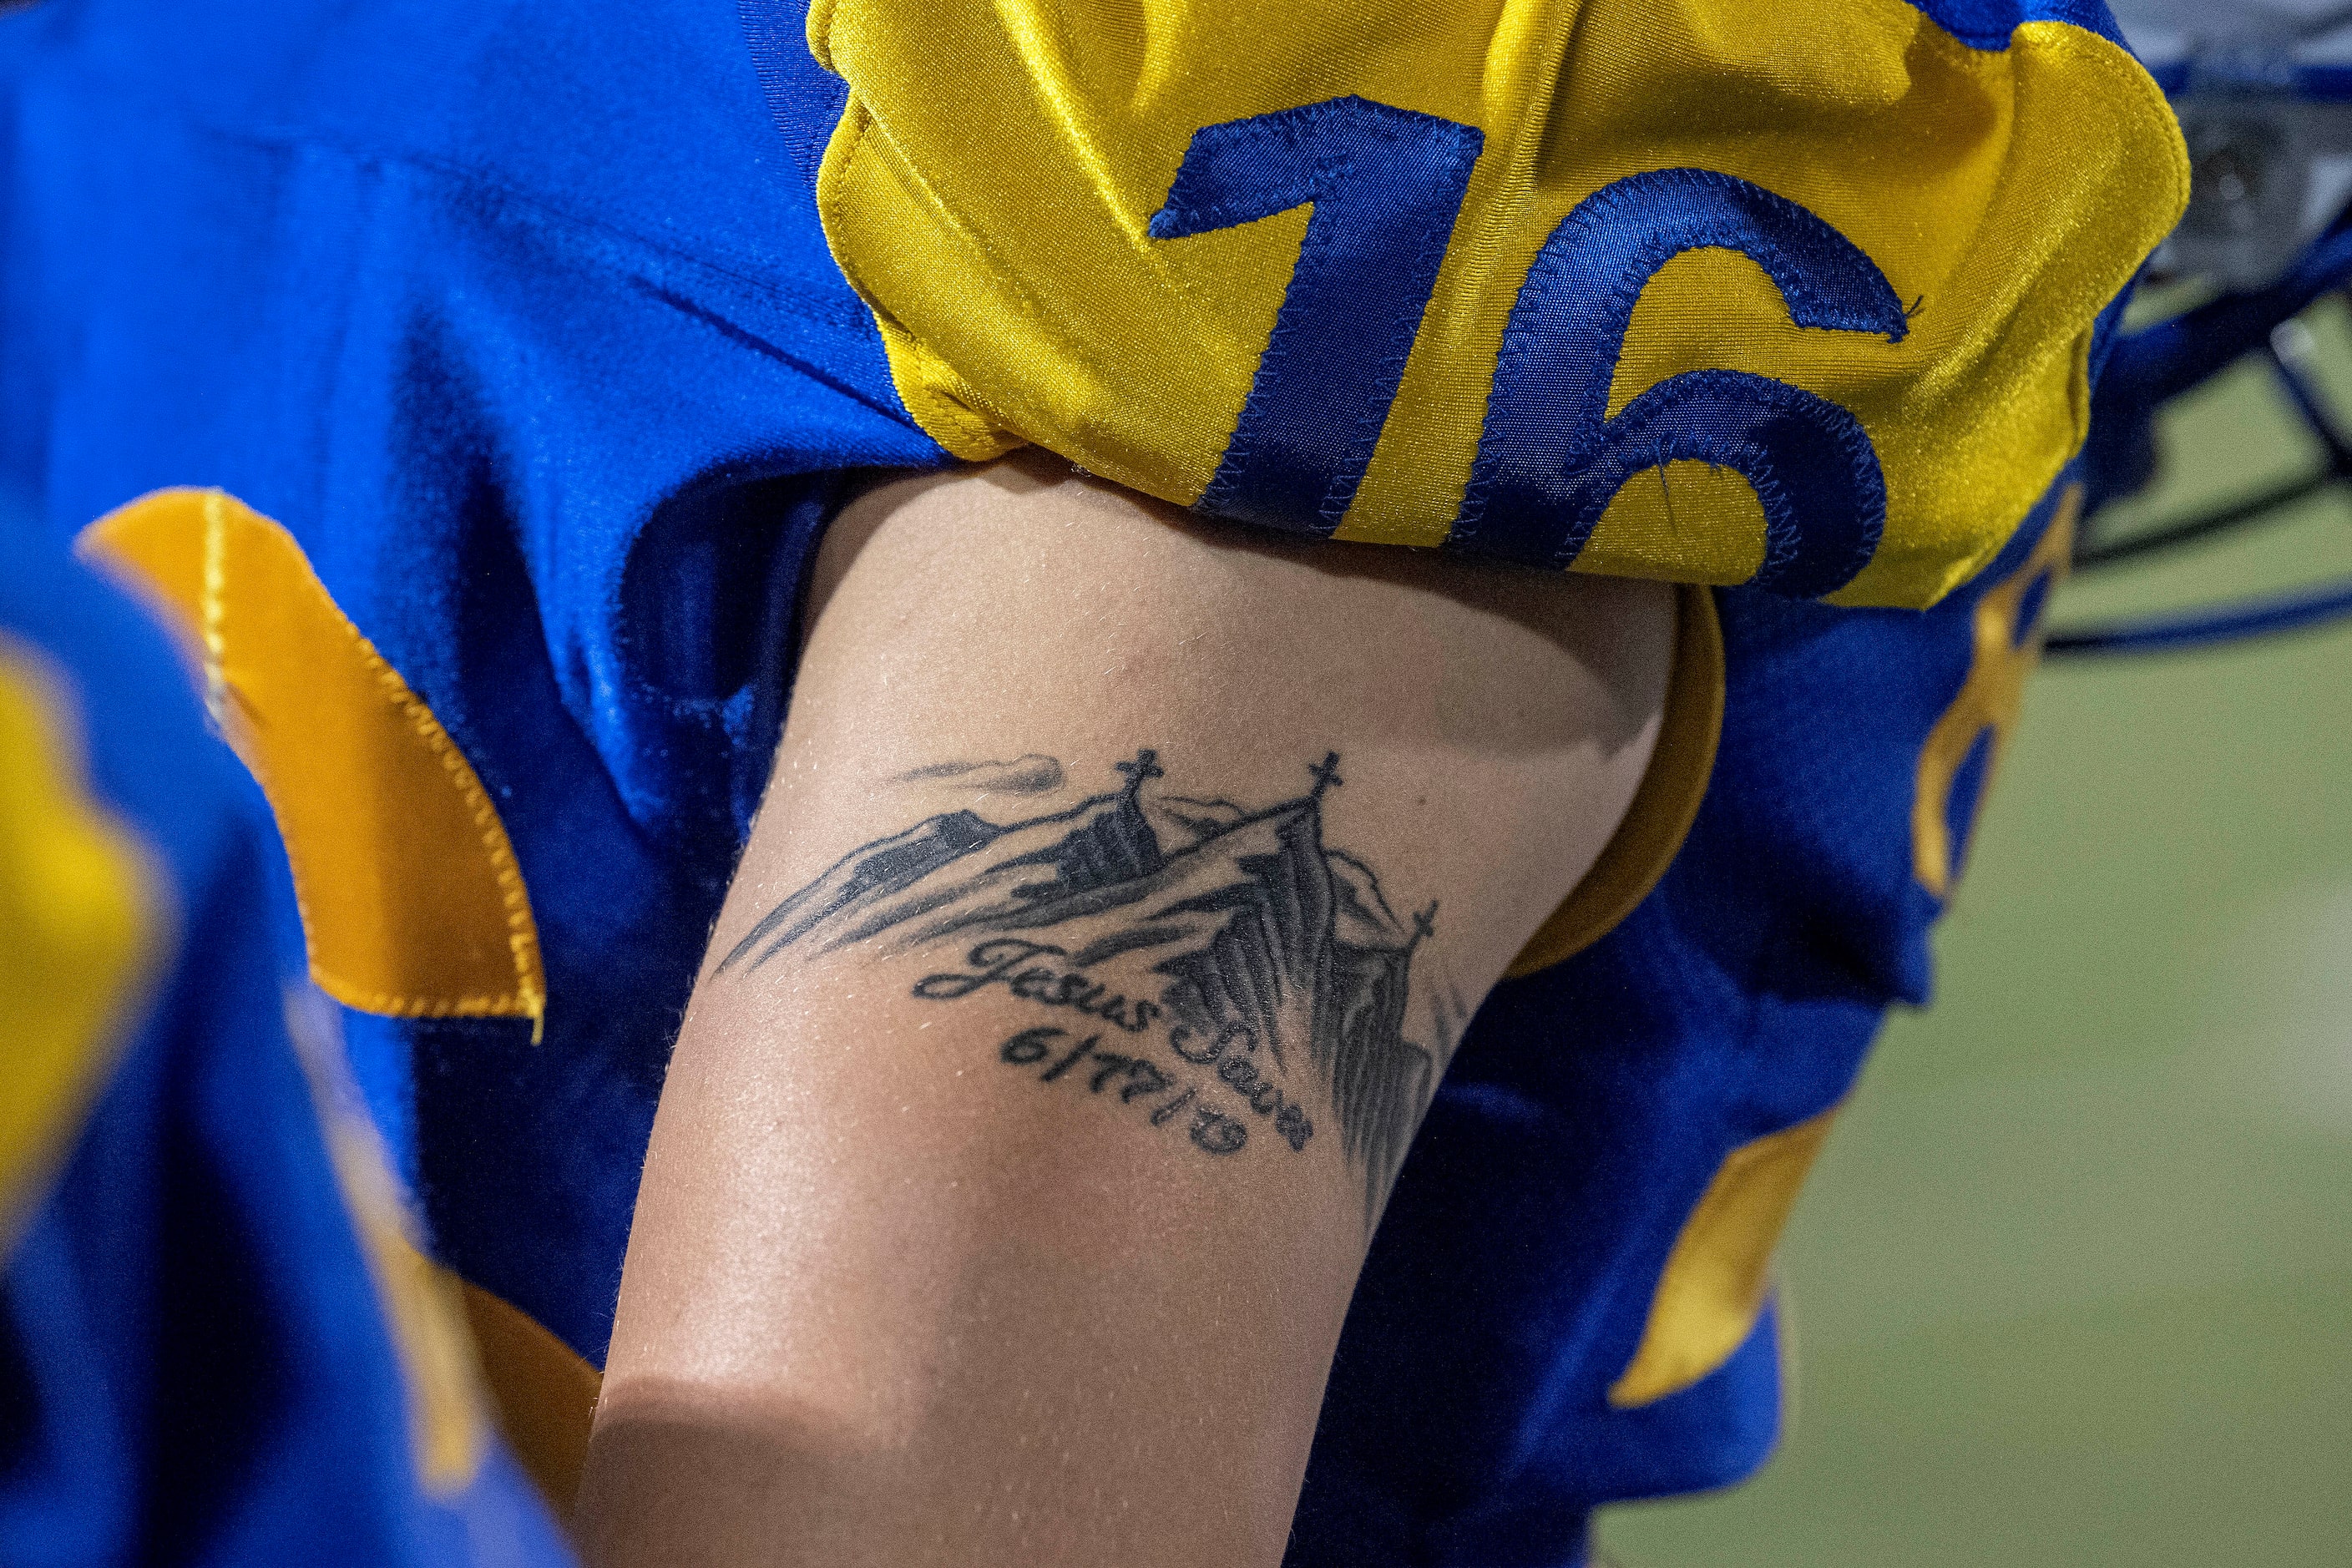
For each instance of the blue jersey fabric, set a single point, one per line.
(1591, 1102)
(196, 1365)
(521, 321)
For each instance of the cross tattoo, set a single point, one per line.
(1145, 766)
(1326, 773)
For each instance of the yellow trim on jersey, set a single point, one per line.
(1665, 805)
(545, 1393)
(411, 900)
(448, 1423)
(1717, 1277)
(84, 916)
(993, 214)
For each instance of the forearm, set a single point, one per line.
(1014, 1167)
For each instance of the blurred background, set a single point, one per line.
(2072, 1284)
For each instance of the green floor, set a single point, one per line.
(2073, 1283)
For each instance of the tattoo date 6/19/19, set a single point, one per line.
(1136, 1078)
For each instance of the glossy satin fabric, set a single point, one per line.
(1320, 266)
(217, 1341)
(520, 327)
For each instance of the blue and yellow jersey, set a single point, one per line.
(218, 1343)
(476, 381)
(1801, 295)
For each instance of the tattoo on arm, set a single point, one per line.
(1219, 968)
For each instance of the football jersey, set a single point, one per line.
(478, 381)
(217, 1342)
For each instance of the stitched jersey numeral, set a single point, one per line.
(1550, 460)
(1386, 184)
(1387, 187)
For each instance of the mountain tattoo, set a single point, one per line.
(1217, 968)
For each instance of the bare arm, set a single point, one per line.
(1121, 890)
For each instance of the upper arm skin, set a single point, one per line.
(903, 1287)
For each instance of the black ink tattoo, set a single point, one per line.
(1135, 1076)
(1031, 773)
(1007, 962)
(1257, 955)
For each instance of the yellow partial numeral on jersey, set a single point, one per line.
(1989, 700)
(411, 898)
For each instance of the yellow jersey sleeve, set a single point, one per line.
(1800, 294)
